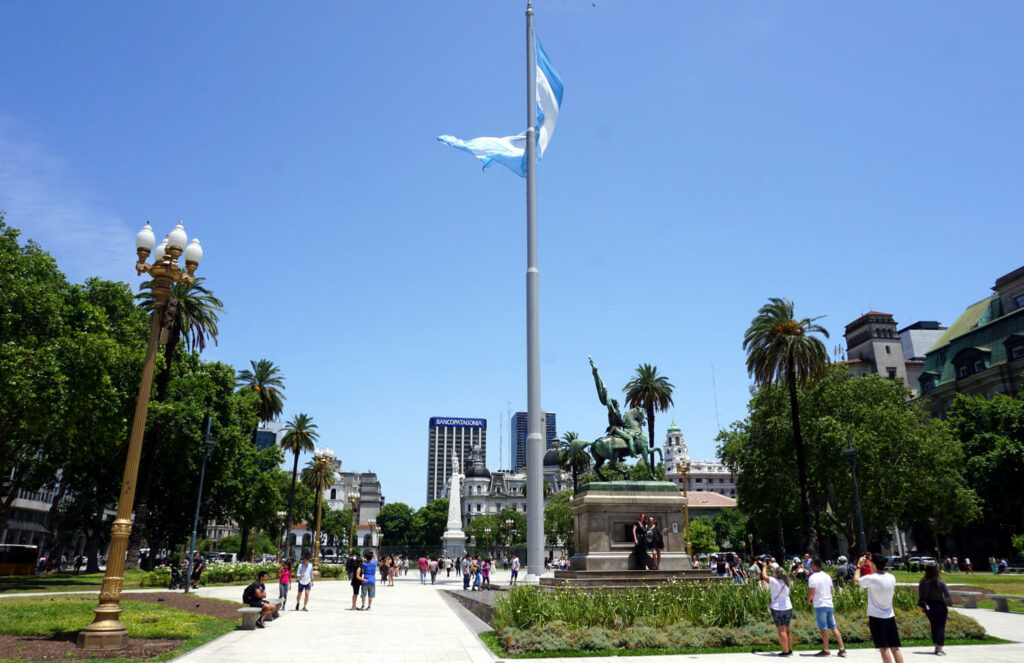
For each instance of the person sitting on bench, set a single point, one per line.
(255, 596)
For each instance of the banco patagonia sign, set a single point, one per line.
(454, 422)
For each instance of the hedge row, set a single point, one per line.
(235, 572)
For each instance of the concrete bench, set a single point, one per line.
(970, 599)
(1002, 601)
(249, 617)
(279, 605)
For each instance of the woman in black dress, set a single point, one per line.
(655, 541)
(641, 560)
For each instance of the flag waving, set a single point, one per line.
(510, 151)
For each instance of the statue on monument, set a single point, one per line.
(624, 437)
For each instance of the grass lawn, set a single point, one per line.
(1000, 584)
(490, 639)
(57, 616)
(58, 582)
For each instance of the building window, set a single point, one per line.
(963, 371)
(478, 507)
(334, 493)
(979, 366)
(887, 350)
(891, 370)
(1019, 301)
(1017, 351)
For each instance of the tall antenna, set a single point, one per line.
(501, 438)
(714, 390)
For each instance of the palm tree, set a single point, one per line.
(300, 435)
(318, 479)
(653, 393)
(578, 465)
(192, 313)
(780, 348)
(266, 380)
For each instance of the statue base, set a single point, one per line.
(604, 513)
(454, 543)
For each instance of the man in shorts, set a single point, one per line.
(819, 594)
(515, 570)
(368, 572)
(881, 587)
(255, 596)
(304, 575)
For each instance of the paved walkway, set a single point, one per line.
(409, 623)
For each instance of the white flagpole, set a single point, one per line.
(535, 446)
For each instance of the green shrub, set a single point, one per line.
(158, 577)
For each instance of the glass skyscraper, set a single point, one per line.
(517, 437)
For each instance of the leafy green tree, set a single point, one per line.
(300, 435)
(992, 434)
(904, 458)
(650, 391)
(191, 313)
(702, 536)
(730, 529)
(335, 526)
(396, 523)
(428, 523)
(558, 522)
(781, 348)
(266, 380)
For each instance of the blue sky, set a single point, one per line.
(707, 156)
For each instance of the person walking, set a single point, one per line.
(432, 568)
(369, 580)
(881, 587)
(284, 580)
(422, 563)
(392, 571)
(304, 575)
(515, 570)
(934, 600)
(464, 566)
(819, 595)
(485, 574)
(781, 607)
(474, 568)
(198, 564)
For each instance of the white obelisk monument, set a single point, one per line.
(454, 538)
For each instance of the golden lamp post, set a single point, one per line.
(322, 459)
(106, 631)
(683, 467)
(353, 499)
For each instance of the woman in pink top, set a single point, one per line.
(485, 571)
(285, 575)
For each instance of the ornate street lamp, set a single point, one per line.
(283, 537)
(322, 459)
(353, 499)
(106, 631)
(683, 467)
(851, 455)
(208, 446)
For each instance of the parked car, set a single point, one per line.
(894, 562)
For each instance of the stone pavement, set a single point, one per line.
(413, 623)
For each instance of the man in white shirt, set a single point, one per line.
(304, 575)
(819, 595)
(515, 570)
(881, 587)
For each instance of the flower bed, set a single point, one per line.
(686, 616)
(234, 572)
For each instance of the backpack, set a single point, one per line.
(249, 595)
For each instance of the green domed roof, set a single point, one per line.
(673, 428)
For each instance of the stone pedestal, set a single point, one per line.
(454, 543)
(604, 513)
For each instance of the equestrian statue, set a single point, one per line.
(624, 437)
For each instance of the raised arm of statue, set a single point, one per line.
(455, 465)
(602, 393)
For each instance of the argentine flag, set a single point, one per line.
(510, 151)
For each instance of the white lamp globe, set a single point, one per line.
(177, 238)
(145, 239)
(161, 248)
(193, 252)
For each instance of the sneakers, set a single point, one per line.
(824, 652)
(842, 653)
(260, 624)
(296, 606)
(940, 652)
(305, 609)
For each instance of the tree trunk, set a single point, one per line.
(148, 454)
(93, 544)
(291, 504)
(51, 540)
(243, 545)
(810, 534)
